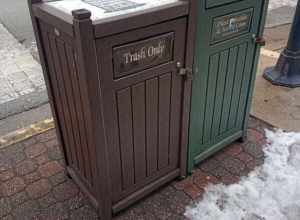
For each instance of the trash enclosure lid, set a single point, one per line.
(103, 9)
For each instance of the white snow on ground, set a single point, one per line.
(273, 4)
(271, 192)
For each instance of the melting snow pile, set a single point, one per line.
(271, 192)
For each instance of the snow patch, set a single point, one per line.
(270, 192)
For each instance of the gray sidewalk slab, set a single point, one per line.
(22, 84)
(14, 14)
(273, 4)
(276, 37)
(279, 106)
(280, 16)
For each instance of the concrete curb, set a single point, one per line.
(23, 103)
(25, 133)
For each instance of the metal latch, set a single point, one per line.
(259, 40)
(187, 73)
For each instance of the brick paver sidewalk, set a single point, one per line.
(34, 185)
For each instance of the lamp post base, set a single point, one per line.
(276, 78)
(287, 70)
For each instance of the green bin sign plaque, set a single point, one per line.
(143, 54)
(231, 25)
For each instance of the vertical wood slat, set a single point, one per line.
(125, 125)
(201, 90)
(244, 89)
(152, 124)
(211, 90)
(79, 110)
(228, 88)
(139, 139)
(57, 97)
(219, 93)
(237, 85)
(70, 102)
(164, 120)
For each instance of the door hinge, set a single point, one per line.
(187, 73)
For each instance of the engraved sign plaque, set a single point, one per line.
(232, 25)
(143, 54)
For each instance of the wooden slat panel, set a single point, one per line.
(126, 143)
(152, 123)
(70, 102)
(139, 139)
(237, 85)
(164, 120)
(57, 97)
(142, 107)
(219, 93)
(228, 88)
(211, 91)
(79, 110)
(175, 120)
(64, 103)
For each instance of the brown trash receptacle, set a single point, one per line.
(116, 83)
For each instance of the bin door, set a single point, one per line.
(143, 94)
(223, 73)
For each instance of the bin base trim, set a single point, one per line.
(82, 187)
(144, 191)
(218, 147)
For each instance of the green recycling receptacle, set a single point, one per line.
(226, 56)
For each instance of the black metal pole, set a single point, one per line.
(287, 70)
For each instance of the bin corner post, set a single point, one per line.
(189, 61)
(43, 62)
(88, 74)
